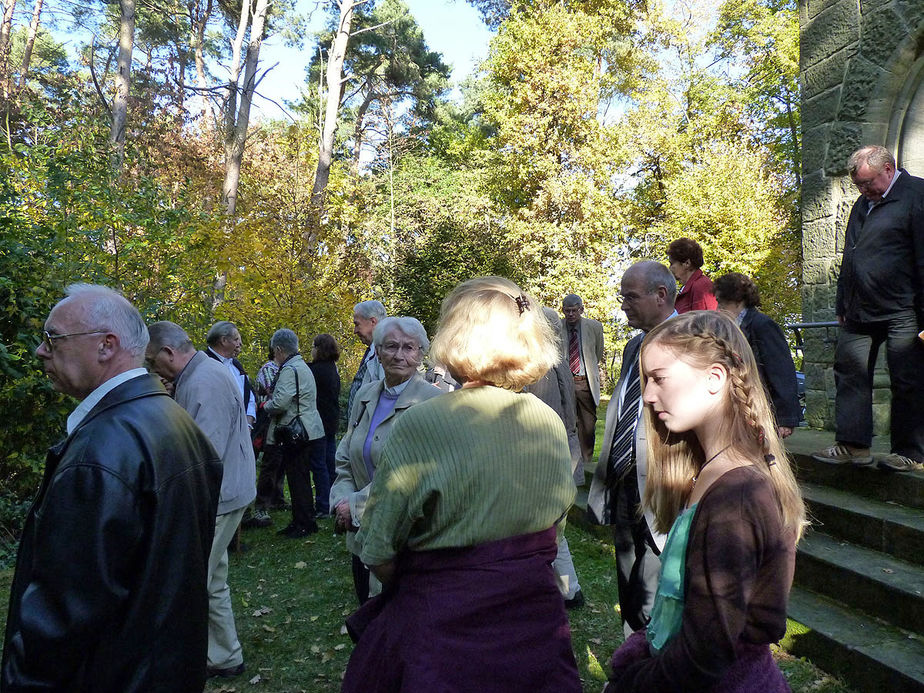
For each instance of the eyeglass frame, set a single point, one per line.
(621, 298)
(48, 339)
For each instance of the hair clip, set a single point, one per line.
(522, 302)
(770, 460)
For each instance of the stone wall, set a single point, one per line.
(862, 70)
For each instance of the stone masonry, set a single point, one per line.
(862, 69)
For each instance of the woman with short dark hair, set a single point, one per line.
(686, 259)
(324, 354)
(738, 296)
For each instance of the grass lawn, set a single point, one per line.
(291, 597)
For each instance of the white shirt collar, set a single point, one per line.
(223, 359)
(891, 183)
(84, 408)
(397, 389)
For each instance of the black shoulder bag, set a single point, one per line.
(293, 435)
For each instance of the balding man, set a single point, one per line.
(880, 299)
(109, 593)
(647, 294)
(205, 389)
(582, 340)
(224, 345)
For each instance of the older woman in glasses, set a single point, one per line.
(462, 517)
(400, 344)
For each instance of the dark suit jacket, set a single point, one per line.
(774, 363)
(882, 271)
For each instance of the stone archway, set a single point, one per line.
(906, 134)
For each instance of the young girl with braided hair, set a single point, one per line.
(720, 483)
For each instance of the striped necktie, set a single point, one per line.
(622, 454)
(574, 352)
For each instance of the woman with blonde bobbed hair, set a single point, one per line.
(461, 521)
(720, 483)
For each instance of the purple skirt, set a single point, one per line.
(753, 669)
(485, 618)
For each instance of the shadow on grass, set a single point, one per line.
(291, 597)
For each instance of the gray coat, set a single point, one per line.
(353, 480)
(283, 407)
(208, 392)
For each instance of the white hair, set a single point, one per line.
(408, 326)
(370, 309)
(107, 310)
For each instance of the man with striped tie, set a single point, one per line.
(647, 294)
(582, 338)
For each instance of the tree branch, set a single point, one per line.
(99, 91)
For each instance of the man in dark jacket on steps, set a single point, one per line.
(110, 593)
(880, 299)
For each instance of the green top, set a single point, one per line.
(668, 604)
(468, 467)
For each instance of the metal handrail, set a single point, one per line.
(797, 327)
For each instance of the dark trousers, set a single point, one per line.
(321, 477)
(270, 482)
(360, 580)
(298, 464)
(637, 555)
(854, 362)
(586, 410)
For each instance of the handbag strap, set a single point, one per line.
(298, 404)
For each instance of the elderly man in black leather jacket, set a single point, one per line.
(109, 593)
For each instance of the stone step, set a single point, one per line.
(869, 655)
(905, 488)
(887, 527)
(875, 583)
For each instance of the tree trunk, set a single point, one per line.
(335, 58)
(199, 19)
(236, 131)
(122, 82)
(30, 43)
(5, 28)
(358, 128)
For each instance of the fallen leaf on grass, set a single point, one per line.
(255, 680)
(339, 647)
(888, 570)
(315, 649)
(344, 631)
(301, 565)
(314, 618)
(268, 629)
(595, 641)
(262, 611)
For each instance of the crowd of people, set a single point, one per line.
(451, 484)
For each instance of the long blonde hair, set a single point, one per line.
(701, 338)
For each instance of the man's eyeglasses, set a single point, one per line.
(631, 298)
(49, 339)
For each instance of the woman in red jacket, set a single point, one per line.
(686, 258)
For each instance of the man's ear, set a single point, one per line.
(108, 346)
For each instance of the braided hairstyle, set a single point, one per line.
(702, 338)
